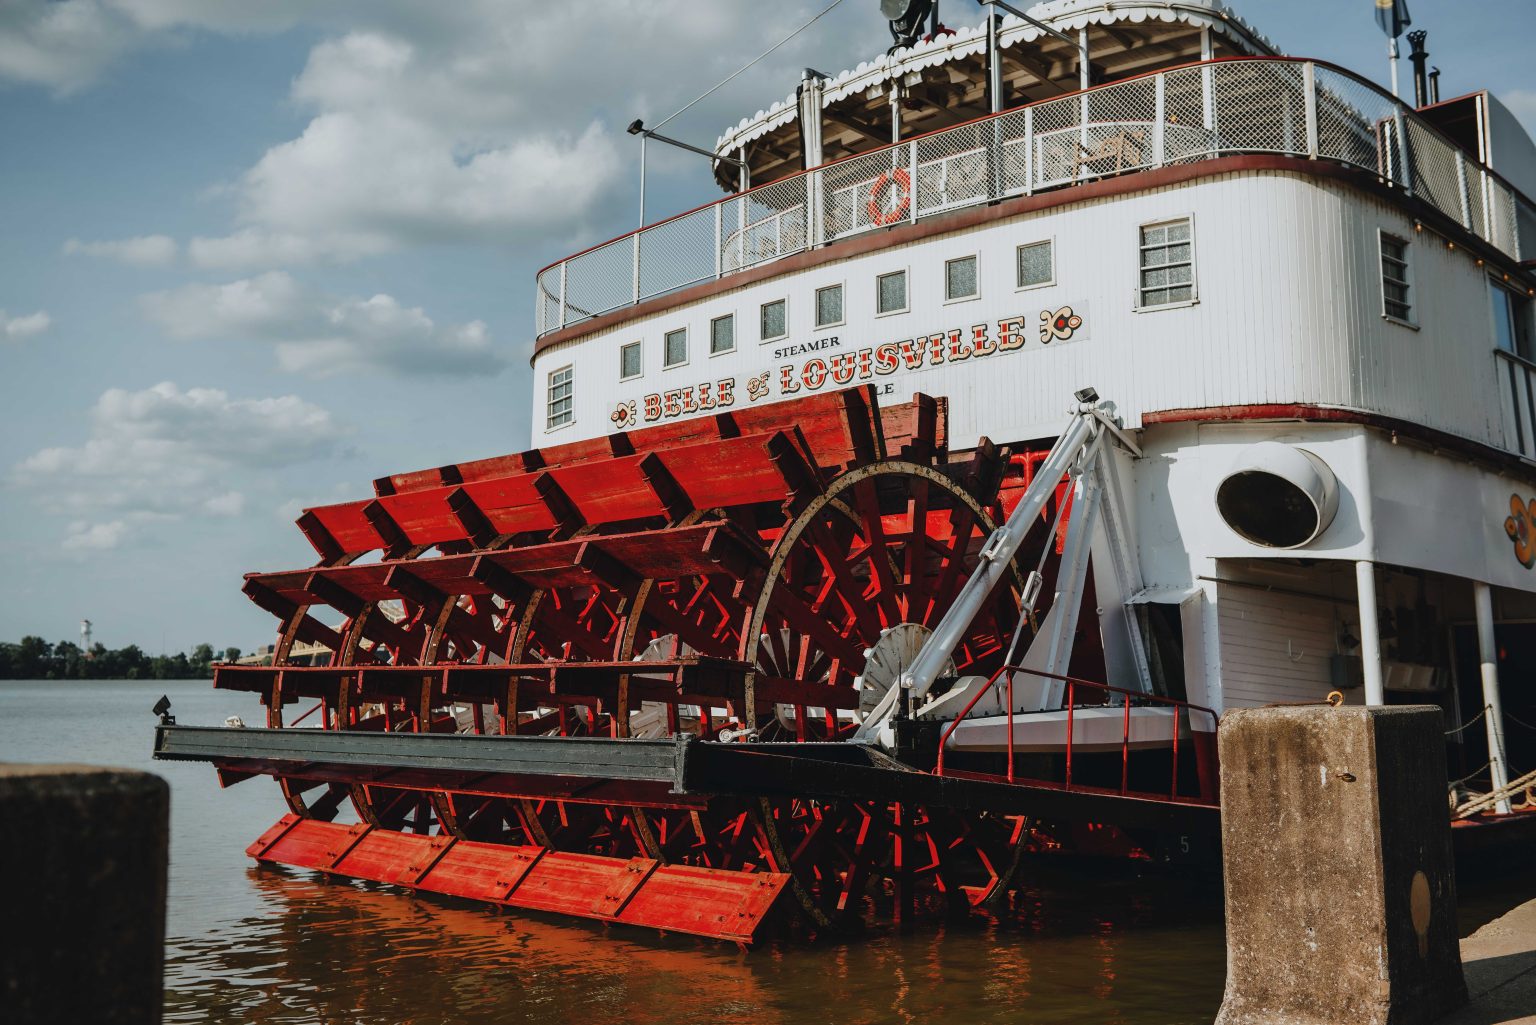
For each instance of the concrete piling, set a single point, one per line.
(83, 858)
(1340, 894)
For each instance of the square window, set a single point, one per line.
(1037, 264)
(774, 323)
(829, 306)
(960, 278)
(675, 348)
(629, 361)
(722, 334)
(1512, 320)
(891, 292)
(1167, 267)
(560, 410)
(1395, 284)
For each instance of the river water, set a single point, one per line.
(249, 944)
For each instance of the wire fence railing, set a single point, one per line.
(1197, 112)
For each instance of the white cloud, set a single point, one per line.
(94, 537)
(63, 46)
(405, 184)
(165, 453)
(464, 122)
(230, 503)
(319, 334)
(17, 328)
(141, 251)
(259, 247)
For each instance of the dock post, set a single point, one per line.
(1336, 848)
(1493, 706)
(1370, 634)
(84, 861)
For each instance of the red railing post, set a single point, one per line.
(938, 768)
(1174, 789)
(1009, 713)
(1125, 745)
(1071, 703)
(1180, 708)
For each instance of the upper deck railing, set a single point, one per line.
(1182, 115)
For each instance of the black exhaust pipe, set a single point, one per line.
(1419, 56)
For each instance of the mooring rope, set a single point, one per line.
(1453, 784)
(1469, 722)
(1488, 800)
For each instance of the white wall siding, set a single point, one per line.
(1288, 311)
(1274, 646)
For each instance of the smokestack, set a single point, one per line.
(1434, 85)
(1419, 56)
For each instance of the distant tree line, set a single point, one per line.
(35, 659)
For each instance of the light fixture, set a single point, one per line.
(637, 127)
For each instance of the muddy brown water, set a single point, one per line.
(248, 944)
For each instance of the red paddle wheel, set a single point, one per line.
(615, 678)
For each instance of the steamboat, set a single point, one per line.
(1035, 393)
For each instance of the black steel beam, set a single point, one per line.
(683, 767)
(823, 771)
(578, 757)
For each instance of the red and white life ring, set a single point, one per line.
(878, 214)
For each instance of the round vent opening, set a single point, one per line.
(1278, 496)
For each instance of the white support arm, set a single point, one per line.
(994, 560)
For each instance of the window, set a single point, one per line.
(960, 279)
(1512, 321)
(722, 334)
(1037, 265)
(891, 292)
(675, 348)
(1167, 264)
(629, 361)
(829, 306)
(774, 322)
(560, 411)
(1394, 279)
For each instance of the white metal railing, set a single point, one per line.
(1517, 390)
(1197, 112)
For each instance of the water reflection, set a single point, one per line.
(1076, 948)
(272, 945)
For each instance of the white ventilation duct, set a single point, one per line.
(1278, 496)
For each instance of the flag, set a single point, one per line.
(1392, 16)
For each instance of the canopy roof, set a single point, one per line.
(945, 80)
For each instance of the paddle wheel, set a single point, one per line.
(619, 679)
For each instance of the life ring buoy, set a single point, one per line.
(878, 214)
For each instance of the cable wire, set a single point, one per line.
(749, 64)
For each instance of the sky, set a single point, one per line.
(255, 255)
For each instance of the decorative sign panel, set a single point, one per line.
(837, 367)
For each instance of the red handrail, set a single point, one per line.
(1070, 704)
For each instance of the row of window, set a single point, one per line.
(1166, 277)
(1512, 314)
(1035, 266)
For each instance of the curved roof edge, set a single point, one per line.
(1063, 15)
